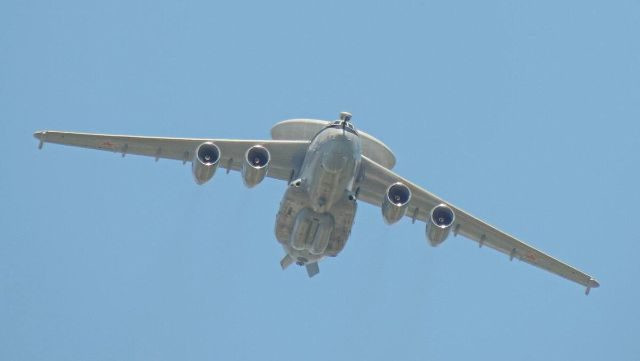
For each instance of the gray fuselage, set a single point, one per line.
(317, 211)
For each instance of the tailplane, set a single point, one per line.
(286, 262)
(312, 269)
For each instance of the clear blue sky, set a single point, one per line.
(527, 114)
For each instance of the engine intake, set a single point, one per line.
(205, 162)
(255, 165)
(439, 224)
(395, 203)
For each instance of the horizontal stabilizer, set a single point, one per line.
(286, 262)
(312, 269)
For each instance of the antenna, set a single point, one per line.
(345, 117)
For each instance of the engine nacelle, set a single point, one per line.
(395, 203)
(205, 162)
(255, 165)
(439, 224)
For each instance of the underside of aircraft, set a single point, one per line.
(329, 167)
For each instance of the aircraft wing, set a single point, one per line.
(376, 179)
(286, 155)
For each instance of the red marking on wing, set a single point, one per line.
(107, 144)
(531, 257)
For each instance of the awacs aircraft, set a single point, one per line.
(328, 167)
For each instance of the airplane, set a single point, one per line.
(329, 166)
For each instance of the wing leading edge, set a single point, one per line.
(373, 186)
(287, 155)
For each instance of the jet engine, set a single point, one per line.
(439, 224)
(205, 162)
(395, 203)
(255, 165)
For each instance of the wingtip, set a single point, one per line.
(40, 135)
(591, 284)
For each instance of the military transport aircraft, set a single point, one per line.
(328, 167)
